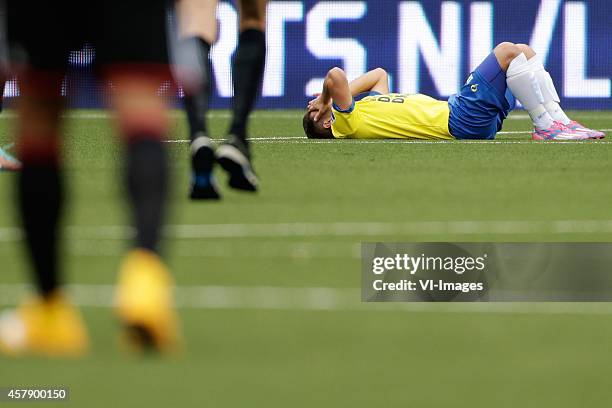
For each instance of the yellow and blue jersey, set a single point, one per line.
(394, 116)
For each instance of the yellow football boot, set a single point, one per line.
(145, 304)
(50, 327)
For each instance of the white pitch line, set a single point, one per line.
(302, 139)
(302, 250)
(337, 229)
(431, 142)
(304, 299)
(252, 139)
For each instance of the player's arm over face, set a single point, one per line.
(342, 92)
(375, 80)
(336, 88)
(318, 119)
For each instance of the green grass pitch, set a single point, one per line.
(268, 283)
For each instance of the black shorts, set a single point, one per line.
(41, 34)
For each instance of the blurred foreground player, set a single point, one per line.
(129, 38)
(197, 28)
(476, 112)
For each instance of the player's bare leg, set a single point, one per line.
(198, 31)
(234, 154)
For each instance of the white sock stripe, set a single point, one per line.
(199, 142)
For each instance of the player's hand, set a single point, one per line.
(312, 104)
(319, 106)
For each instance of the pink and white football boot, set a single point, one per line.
(557, 131)
(593, 134)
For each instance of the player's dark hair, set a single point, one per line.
(313, 131)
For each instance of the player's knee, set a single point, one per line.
(505, 45)
(143, 125)
(335, 73)
(37, 150)
(140, 108)
(527, 50)
(381, 71)
(39, 121)
(39, 129)
(145, 118)
(506, 52)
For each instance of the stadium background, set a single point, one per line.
(428, 47)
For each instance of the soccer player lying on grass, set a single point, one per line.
(476, 112)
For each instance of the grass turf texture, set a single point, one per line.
(364, 357)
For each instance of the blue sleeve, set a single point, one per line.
(348, 110)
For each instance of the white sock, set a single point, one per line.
(523, 83)
(549, 93)
(556, 112)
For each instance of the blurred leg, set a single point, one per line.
(40, 187)
(46, 324)
(133, 52)
(144, 296)
(143, 123)
(40, 69)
